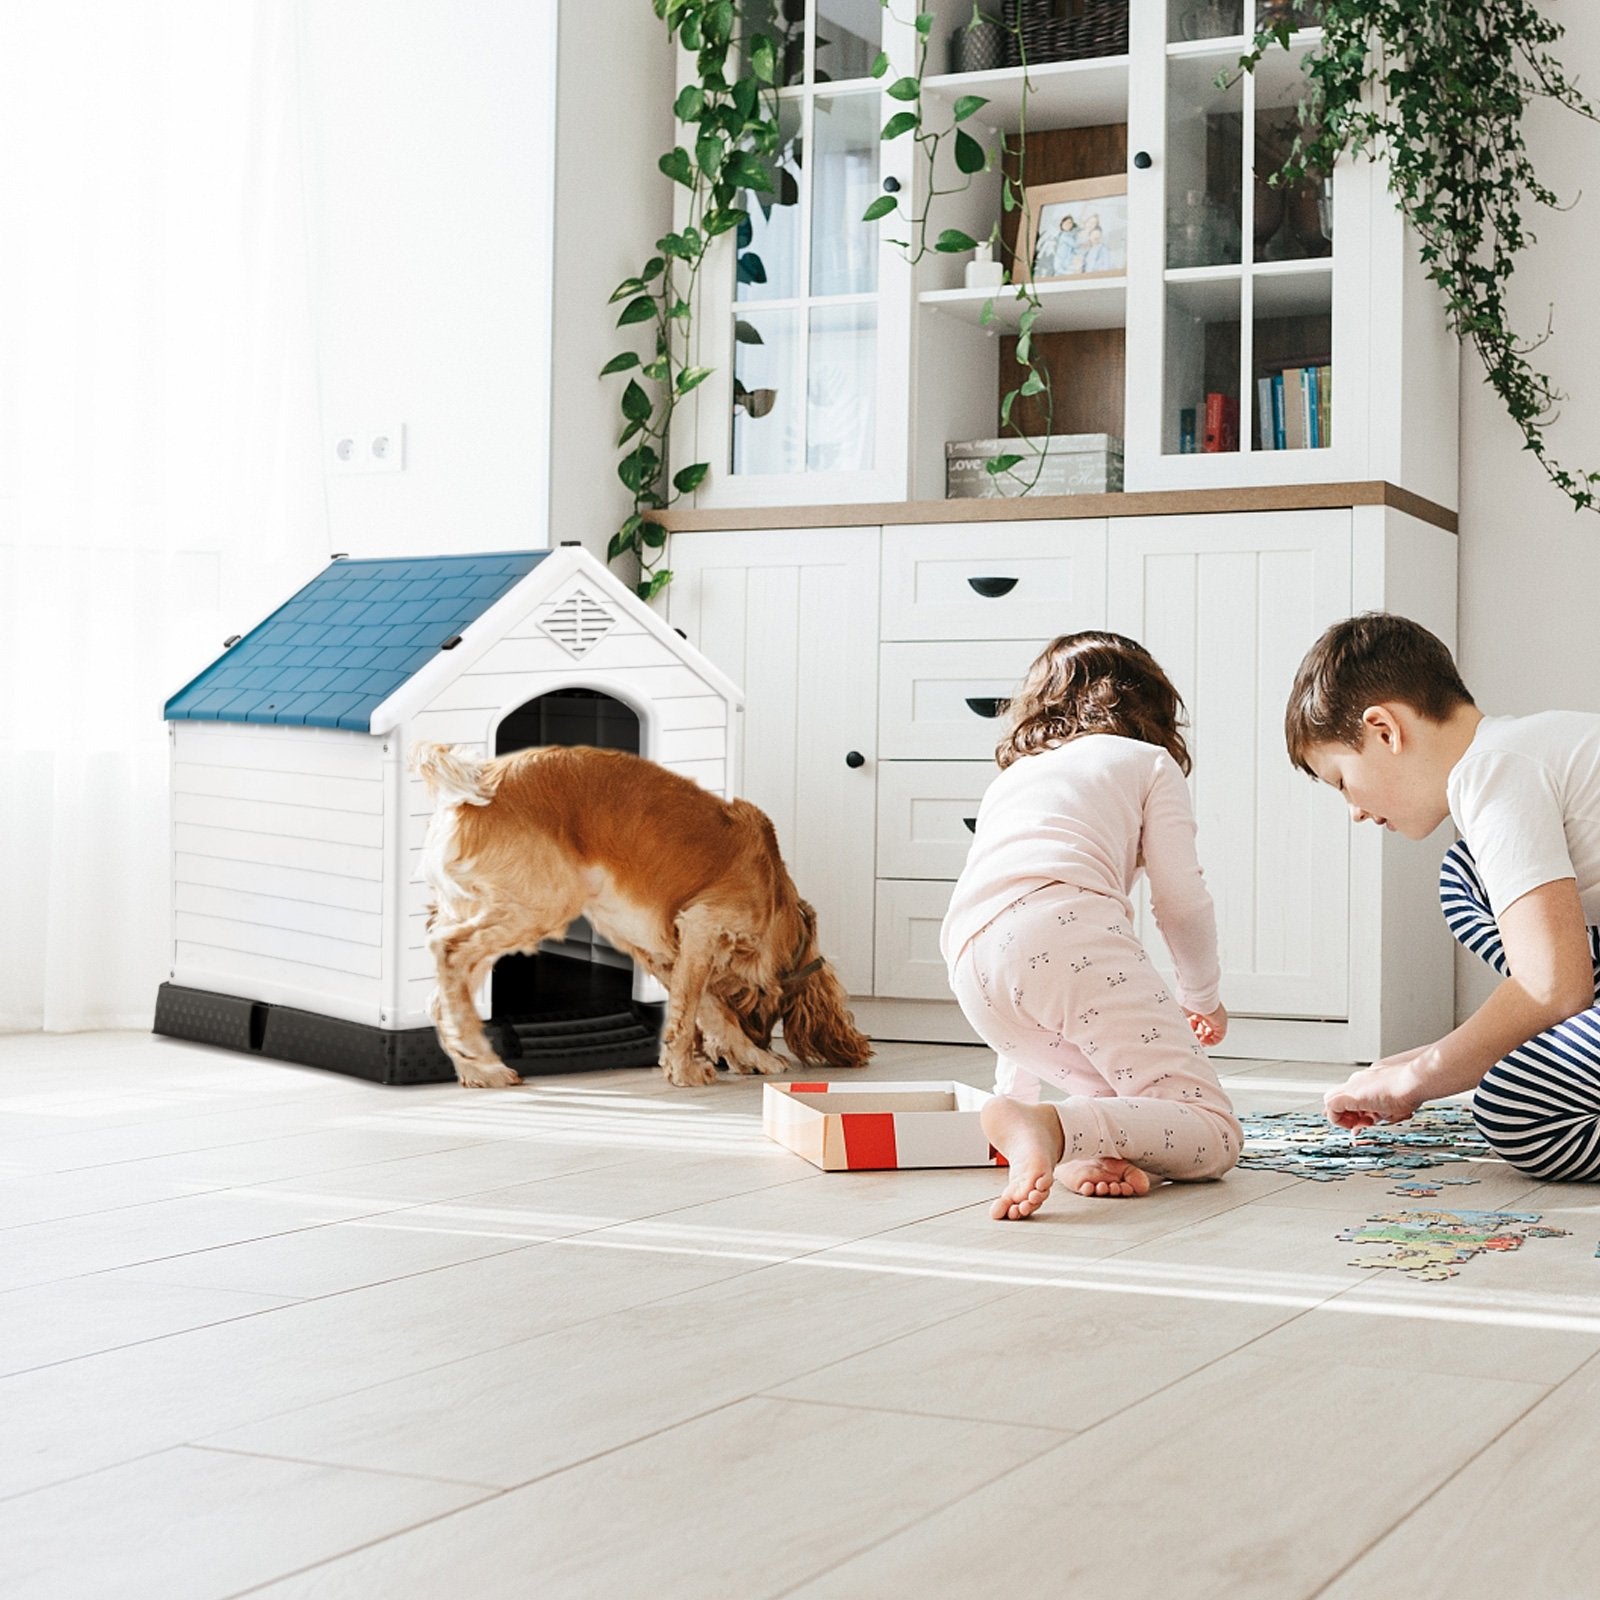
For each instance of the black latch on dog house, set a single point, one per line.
(451, 642)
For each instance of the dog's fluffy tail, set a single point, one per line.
(452, 775)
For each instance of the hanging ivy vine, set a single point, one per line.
(1438, 93)
(971, 158)
(730, 147)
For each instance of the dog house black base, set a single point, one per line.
(548, 1043)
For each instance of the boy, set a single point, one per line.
(1379, 712)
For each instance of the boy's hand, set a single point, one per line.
(1210, 1027)
(1387, 1091)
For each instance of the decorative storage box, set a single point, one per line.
(1074, 463)
(854, 1126)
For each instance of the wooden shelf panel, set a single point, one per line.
(1150, 503)
(1064, 307)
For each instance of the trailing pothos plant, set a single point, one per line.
(1438, 91)
(731, 146)
(970, 158)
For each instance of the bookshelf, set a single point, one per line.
(1226, 282)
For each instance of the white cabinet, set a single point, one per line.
(862, 640)
(792, 618)
(1228, 607)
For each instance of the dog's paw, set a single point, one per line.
(498, 1076)
(769, 1064)
(693, 1074)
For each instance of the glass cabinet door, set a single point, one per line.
(801, 292)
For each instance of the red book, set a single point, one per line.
(1230, 422)
(1211, 435)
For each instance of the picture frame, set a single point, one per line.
(1077, 229)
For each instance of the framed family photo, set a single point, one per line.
(1077, 229)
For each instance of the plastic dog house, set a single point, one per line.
(298, 923)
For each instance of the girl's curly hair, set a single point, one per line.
(1093, 682)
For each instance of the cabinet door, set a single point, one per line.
(791, 617)
(1228, 605)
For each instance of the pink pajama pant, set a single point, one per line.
(1061, 989)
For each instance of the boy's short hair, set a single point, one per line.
(1367, 661)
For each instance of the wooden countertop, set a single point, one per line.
(1041, 508)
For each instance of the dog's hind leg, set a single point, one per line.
(462, 952)
(700, 936)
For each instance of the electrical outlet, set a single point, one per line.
(371, 449)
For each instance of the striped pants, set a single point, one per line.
(1539, 1107)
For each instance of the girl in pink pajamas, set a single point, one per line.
(1040, 944)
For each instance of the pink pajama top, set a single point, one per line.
(1093, 813)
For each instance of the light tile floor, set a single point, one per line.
(270, 1331)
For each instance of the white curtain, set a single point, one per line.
(159, 469)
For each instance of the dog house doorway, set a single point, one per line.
(574, 1002)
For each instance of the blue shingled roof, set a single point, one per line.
(328, 657)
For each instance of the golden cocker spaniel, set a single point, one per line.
(690, 885)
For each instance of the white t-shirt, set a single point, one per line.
(1092, 813)
(1526, 798)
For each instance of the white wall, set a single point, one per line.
(1530, 566)
(437, 157)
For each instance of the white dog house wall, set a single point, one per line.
(298, 921)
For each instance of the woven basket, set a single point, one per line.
(1065, 30)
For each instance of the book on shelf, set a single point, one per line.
(1294, 406)
(1187, 443)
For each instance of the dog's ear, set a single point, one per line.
(817, 1025)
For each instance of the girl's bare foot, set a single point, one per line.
(1104, 1177)
(1029, 1137)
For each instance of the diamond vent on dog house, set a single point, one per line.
(579, 623)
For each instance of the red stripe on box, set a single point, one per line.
(868, 1139)
(804, 1088)
(998, 1159)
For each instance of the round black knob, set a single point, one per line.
(855, 759)
(891, 186)
(1142, 160)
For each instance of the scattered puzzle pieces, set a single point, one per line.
(1307, 1145)
(1425, 1191)
(1432, 1245)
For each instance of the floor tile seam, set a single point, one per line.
(1438, 1488)
(246, 1144)
(940, 1510)
(106, 1211)
(154, 1338)
(490, 1490)
(1061, 1435)
(366, 1544)
(8, 1495)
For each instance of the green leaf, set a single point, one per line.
(986, 316)
(619, 543)
(653, 534)
(1033, 384)
(657, 370)
(689, 479)
(953, 239)
(653, 585)
(690, 103)
(905, 89)
(881, 207)
(1005, 407)
(640, 310)
(708, 154)
(691, 378)
(624, 289)
(924, 23)
(636, 406)
(879, 66)
(746, 332)
(629, 433)
(653, 269)
(639, 468)
(995, 465)
(900, 122)
(764, 59)
(622, 363)
(675, 163)
(966, 105)
(970, 156)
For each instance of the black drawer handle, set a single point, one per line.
(984, 705)
(854, 758)
(992, 588)
(972, 824)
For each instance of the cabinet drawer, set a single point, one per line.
(994, 580)
(924, 812)
(938, 701)
(908, 965)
